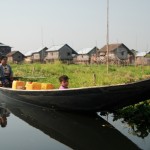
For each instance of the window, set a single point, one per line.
(68, 54)
(122, 53)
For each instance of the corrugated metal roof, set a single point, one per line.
(11, 53)
(55, 47)
(39, 49)
(84, 50)
(1, 44)
(111, 47)
(140, 54)
(28, 53)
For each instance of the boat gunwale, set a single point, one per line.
(75, 89)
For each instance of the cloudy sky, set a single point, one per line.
(29, 24)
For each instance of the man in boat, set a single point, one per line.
(64, 82)
(6, 74)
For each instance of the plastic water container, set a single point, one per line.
(33, 86)
(46, 86)
(18, 85)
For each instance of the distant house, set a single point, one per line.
(39, 55)
(28, 57)
(36, 55)
(15, 57)
(148, 54)
(134, 51)
(63, 53)
(142, 58)
(85, 55)
(4, 49)
(118, 54)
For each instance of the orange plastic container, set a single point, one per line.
(33, 86)
(46, 86)
(18, 85)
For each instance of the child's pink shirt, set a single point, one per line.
(61, 87)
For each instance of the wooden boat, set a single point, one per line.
(78, 131)
(91, 99)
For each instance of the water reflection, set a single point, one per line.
(137, 117)
(78, 131)
(4, 113)
(133, 121)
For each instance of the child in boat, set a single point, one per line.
(64, 82)
(6, 74)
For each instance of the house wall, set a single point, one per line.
(54, 55)
(122, 53)
(42, 54)
(39, 56)
(131, 59)
(36, 56)
(17, 57)
(147, 61)
(112, 56)
(102, 58)
(65, 53)
(82, 59)
(10, 59)
(28, 59)
(142, 61)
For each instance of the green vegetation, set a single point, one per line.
(80, 75)
(148, 55)
(137, 117)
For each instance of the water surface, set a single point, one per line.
(19, 135)
(30, 127)
(128, 131)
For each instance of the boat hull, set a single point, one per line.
(84, 99)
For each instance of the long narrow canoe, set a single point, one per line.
(91, 99)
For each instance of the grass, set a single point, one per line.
(80, 75)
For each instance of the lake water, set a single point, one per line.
(125, 129)
(19, 135)
(35, 128)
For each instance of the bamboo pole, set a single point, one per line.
(107, 36)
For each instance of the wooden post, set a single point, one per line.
(107, 37)
(33, 69)
(94, 79)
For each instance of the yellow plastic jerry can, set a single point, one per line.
(18, 85)
(33, 86)
(46, 86)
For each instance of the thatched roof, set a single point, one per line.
(113, 47)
